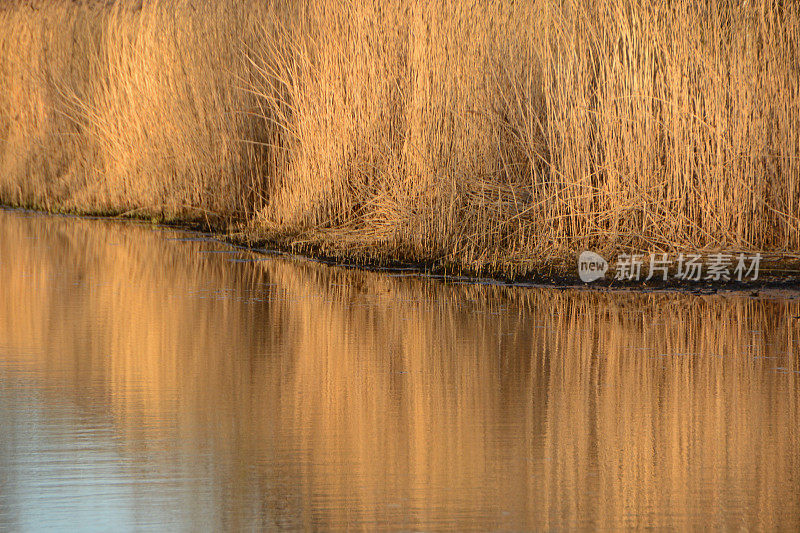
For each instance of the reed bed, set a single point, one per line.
(494, 138)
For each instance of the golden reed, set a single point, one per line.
(482, 137)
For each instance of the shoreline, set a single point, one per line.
(768, 281)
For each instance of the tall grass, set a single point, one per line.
(485, 137)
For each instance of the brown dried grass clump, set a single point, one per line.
(490, 138)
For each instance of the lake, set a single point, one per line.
(152, 378)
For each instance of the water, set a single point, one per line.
(151, 379)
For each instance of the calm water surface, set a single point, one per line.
(156, 379)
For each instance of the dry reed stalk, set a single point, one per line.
(482, 137)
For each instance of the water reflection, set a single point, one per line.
(149, 380)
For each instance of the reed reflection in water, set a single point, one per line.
(152, 378)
